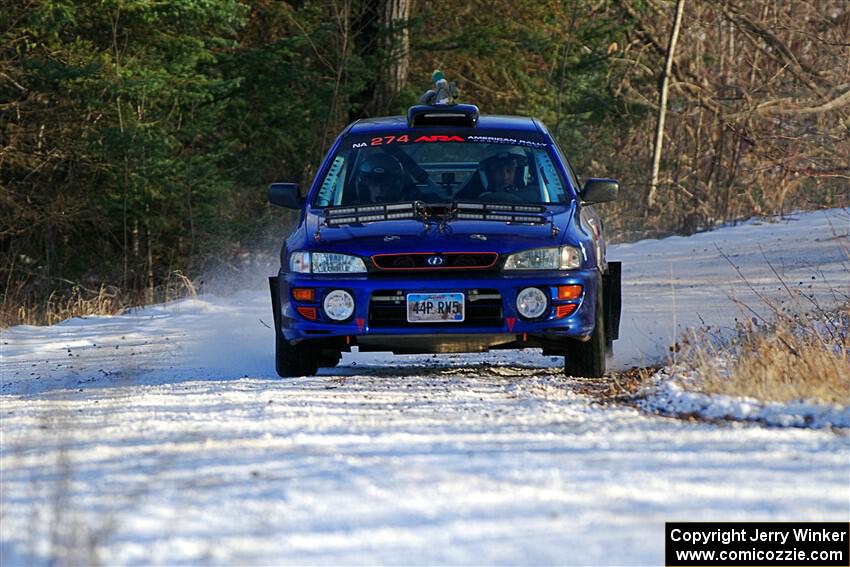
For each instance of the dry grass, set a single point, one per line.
(61, 305)
(21, 308)
(791, 359)
(801, 352)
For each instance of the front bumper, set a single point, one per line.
(502, 325)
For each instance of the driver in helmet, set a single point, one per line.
(380, 179)
(497, 173)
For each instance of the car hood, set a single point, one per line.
(387, 237)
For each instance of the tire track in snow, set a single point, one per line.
(189, 450)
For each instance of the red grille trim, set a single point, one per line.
(485, 261)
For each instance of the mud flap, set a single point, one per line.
(275, 290)
(611, 289)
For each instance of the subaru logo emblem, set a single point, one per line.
(436, 260)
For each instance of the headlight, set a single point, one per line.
(299, 262)
(563, 258)
(531, 303)
(325, 263)
(338, 305)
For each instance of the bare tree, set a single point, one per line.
(757, 117)
(662, 105)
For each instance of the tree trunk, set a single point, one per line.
(662, 106)
(393, 54)
(381, 39)
(150, 282)
(396, 17)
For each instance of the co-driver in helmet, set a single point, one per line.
(380, 179)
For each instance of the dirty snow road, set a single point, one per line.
(162, 436)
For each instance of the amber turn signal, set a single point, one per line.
(569, 291)
(303, 294)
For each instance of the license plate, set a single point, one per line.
(435, 308)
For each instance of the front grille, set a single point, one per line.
(433, 261)
(388, 308)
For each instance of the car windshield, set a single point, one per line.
(441, 169)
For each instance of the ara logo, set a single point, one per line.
(439, 138)
(435, 260)
(360, 145)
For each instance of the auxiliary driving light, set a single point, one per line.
(338, 305)
(531, 303)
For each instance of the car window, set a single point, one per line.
(441, 169)
(571, 174)
(330, 191)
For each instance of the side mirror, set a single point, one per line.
(285, 195)
(599, 191)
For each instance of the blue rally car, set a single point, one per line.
(445, 231)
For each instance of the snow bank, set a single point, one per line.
(679, 283)
(671, 393)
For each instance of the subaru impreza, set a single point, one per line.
(445, 231)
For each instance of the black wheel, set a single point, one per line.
(587, 359)
(328, 358)
(294, 360)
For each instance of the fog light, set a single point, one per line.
(338, 305)
(531, 303)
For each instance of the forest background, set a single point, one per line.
(137, 137)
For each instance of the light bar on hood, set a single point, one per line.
(336, 216)
(500, 212)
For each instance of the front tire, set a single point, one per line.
(294, 360)
(328, 358)
(587, 359)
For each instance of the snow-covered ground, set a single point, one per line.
(674, 391)
(163, 435)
